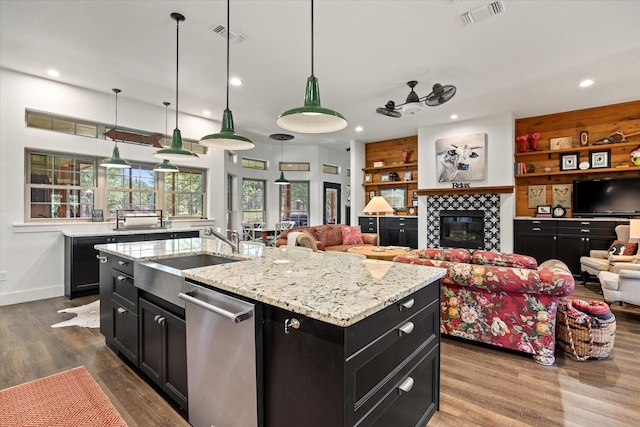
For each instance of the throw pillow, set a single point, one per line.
(623, 248)
(351, 235)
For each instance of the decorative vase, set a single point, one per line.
(636, 161)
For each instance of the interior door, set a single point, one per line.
(331, 203)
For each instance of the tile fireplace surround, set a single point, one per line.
(489, 203)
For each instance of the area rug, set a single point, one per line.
(88, 316)
(70, 398)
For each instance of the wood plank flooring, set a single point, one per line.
(480, 386)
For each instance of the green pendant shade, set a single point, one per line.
(165, 166)
(282, 180)
(175, 152)
(312, 118)
(115, 161)
(227, 138)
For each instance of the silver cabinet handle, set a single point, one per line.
(161, 321)
(122, 263)
(235, 317)
(406, 328)
(103, 259)
(406, 385)
(582, 230)
(121, 310)
(155, 319)
(121, 278)
(291, 323)
(535, 229)
(407, 304)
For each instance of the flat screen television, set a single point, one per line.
(607, 197)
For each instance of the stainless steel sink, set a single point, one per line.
(163, 278)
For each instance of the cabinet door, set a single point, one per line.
(125, 332)
(150, 340)
(175, 358)
(368, 224)
(570, 249)
(536, 238)
(410, 232)
(106, 310)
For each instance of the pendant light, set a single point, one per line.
(281, 137)
(165, 166)
(312, 118)
(115, 161)
(227, 138)
(176, 152)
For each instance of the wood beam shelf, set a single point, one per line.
(502, 189)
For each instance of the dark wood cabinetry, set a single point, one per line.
(81, 270)
(381, 371)
(368, 224)
(124, 309)
(394, 230)
(566, 239)
(163, 348)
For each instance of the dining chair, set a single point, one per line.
(279, 228)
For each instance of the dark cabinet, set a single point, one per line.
(368, 224)
(163, 350)
(123, 309)
(399, 231)
(81, 269)
(566, 240)
(383, 370)
(536, 238)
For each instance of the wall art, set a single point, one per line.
(569, 162)
(561, 195)
(537, 195)
(461, 158)
(600, 159)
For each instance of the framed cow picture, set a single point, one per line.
(461, 158)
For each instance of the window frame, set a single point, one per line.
(285, 193)
(262, 212)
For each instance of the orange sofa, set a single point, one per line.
(328, 237)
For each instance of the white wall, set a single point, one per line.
(33, 255)
(500, 130)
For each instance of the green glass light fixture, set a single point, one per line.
(165, 166)
(176, 152)
(227, 138)
(115, 161)
(312, 118)
(281, 137)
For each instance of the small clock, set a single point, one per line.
(559, 212)
(411, 210)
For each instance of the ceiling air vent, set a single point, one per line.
(235, 37)
(483, 12)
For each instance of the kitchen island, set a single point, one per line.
(339, 341)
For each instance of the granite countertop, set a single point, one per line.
(124, 231)
(335, 289)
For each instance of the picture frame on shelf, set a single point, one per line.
(396, 197)
(368, 177)
(415, 194)
(584, 138)
(600, 159)
(384, 177)
(97, 215)
(372, 194)
(543, 211)
(569, 161)
(560, 143)
(407, 176)
(414, 203)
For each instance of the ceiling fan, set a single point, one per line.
(413, 104)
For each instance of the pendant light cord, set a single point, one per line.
(166, 120)
(177, 62)
(228, 31)
(312, 38)
(115, 133)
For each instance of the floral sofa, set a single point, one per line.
(333, 237)
(506, 300)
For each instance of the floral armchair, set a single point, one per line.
(505, 300)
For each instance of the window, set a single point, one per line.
(335, 170)
(132, 188)
(294, 202)
(61, 124)
(60, 186)
(254, 163)
(295, 166)
(253, 200)
(185, 193)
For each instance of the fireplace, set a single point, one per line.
(462, 229)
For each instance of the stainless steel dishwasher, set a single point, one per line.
(221, 359)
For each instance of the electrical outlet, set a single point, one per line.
(3, 276)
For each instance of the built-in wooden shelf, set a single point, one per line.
(600, 147)
(386, 183)
(579, 171)
(394, 166)
(502, 189)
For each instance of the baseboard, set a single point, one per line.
(31, 295)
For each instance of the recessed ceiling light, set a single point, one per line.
(586, 83)
(235, 81)
(206, 113)
(358, 128)
(454, 116)
(53, 73)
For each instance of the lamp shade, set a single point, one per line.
(165, 166)
(175, 152)
(115, 161)
(378, 204)
(227, 138)
(634, 229)
(282, 180)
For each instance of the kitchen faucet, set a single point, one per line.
(234, 242)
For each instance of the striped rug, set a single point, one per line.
(69, 398)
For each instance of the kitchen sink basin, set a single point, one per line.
(163, 277)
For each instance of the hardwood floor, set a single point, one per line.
(480, 386)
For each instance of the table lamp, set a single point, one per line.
(376, 205)
(634, 233)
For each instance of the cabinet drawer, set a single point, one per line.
(372, 327)
(413, 407)
(123, 265)
(370, 366)
(586, 231)
(124, 291)
(536, 226)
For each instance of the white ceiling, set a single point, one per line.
(528, 60)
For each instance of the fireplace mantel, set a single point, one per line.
(503, 189)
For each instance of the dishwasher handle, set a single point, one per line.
(235, 317)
